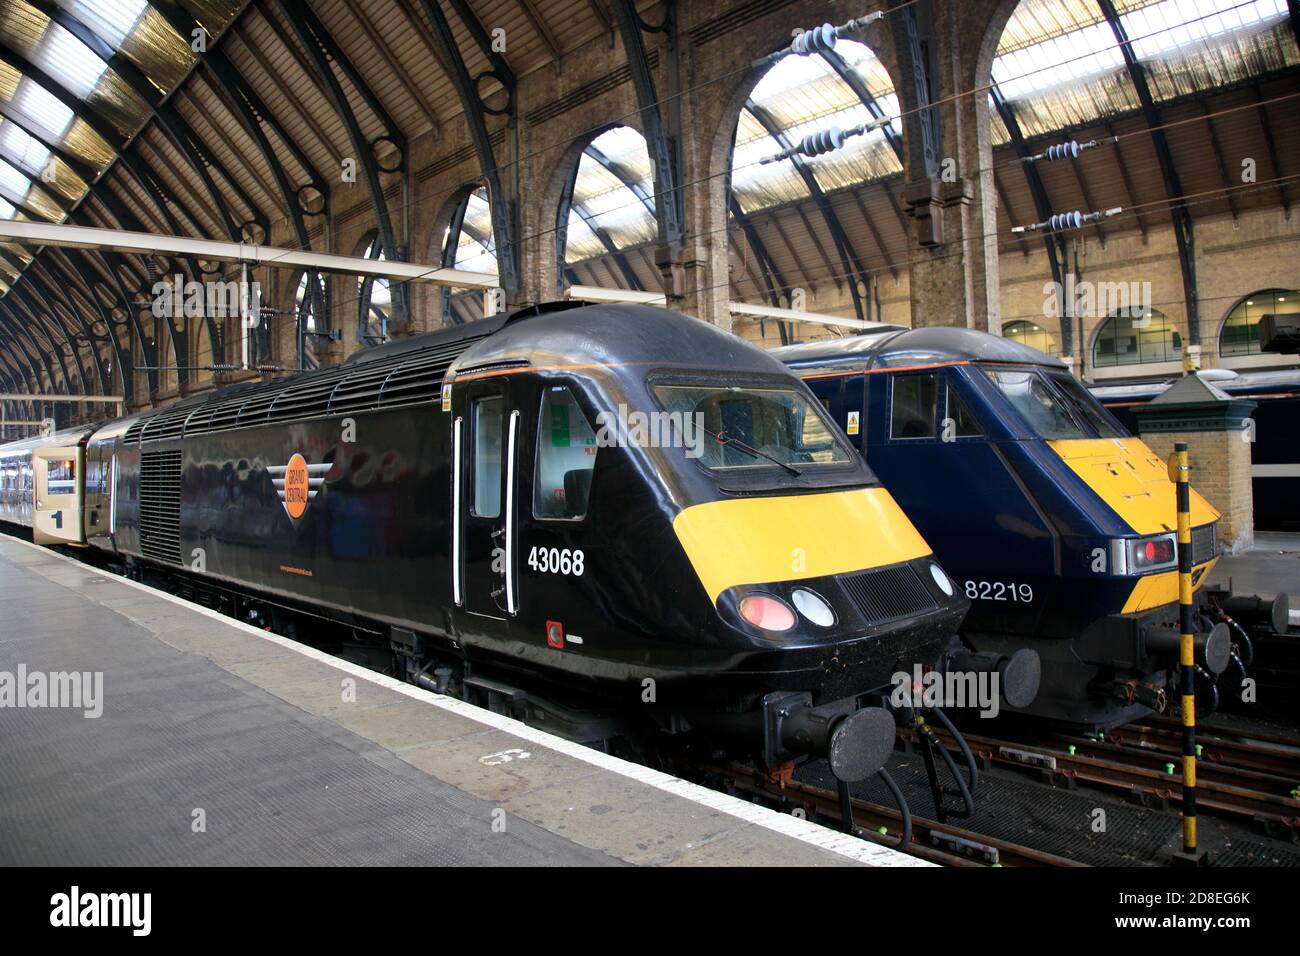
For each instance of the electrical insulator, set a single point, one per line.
(817, 40)
(1068, 150)
(823, 141)
(1066, 220)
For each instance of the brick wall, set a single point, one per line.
(1220, 463)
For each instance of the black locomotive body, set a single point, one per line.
(487, 495)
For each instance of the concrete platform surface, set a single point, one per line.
(217, 743)
(1271, 567)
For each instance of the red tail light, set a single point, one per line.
(766, 612)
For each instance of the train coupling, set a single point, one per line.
(855, 741)
(1213, 648)
(1019, 674)
(1255, 611)
(1136, 692)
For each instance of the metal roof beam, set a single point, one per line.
(668, 198)
(1181, 217)
(1043, 209)
(504, 220)
(854, 272)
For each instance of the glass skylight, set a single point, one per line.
(1159, 29)
(6, 210)
(12, 181)
(43, 108)
(111, 20)
(67, 58)
(20, 149)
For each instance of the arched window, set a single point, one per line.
(304, 304)
(375, 301)
(608, 207)
(1031, 334)
(1135, 336)
(467, 243)
(1240, 332)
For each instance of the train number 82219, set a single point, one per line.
(997, 591)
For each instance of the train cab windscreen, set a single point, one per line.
(1054, 406)
(755, 427)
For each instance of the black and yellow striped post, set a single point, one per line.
(1187, 652)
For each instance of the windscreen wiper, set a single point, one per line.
(723, 438)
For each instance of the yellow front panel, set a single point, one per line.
(1157, 590)
(760, 540)
(1132, 479)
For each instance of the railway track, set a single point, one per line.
(932, 841)
(1261, 788)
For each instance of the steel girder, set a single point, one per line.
(664, 150)
(23, 300)
(912, 32)
(325, 54)
(42, 309)
(448, 260)
(136, 169)
(1043, 209)
(38, 272)
(1179, 214)
(854, 82)
(854, 271)
(505, 227)
(562, 234)
(250, 112)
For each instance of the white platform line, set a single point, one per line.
(861, 851)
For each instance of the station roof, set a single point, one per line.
(109, 117)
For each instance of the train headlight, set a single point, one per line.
(1157, 552)
(812, 606)
(767, 612)
(941, 579)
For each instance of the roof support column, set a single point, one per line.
(950, 194)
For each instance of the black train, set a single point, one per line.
(487, 497)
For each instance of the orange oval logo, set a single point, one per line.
(296, 486)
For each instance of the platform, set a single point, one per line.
(1269, 568)
(222, 744)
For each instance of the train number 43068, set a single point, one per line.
(556, 561)
(997, 591)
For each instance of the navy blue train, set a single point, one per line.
(1058, 525)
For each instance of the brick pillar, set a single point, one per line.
(1219, 437)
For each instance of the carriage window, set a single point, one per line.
(566, 455)
(60, 476)
(963, 422)
(914, 406)
(488, 418)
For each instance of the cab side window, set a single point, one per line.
(913, 405)
(963, 422)
(61, 477)
(488, 419)
(566, 457)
